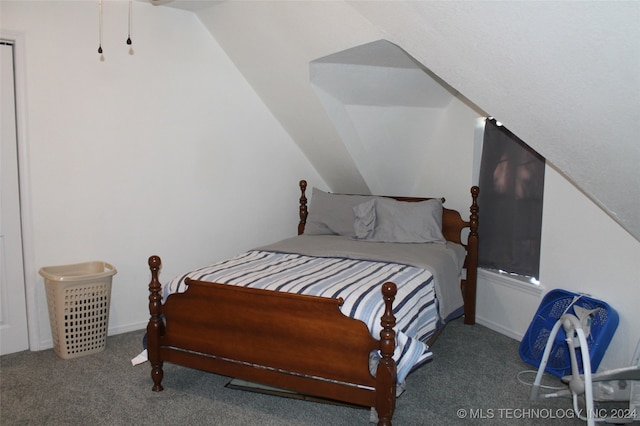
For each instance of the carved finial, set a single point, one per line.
(388, 320)
(303, 207)
(474, 209)
(389, 289)
(154, 262)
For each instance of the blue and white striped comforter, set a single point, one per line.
(357, 282)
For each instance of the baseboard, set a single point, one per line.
(499, 328)
(138, 326)
(127, 328)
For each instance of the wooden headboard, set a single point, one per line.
(453, 227)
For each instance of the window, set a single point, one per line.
(511, 192)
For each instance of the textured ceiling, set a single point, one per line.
(563, 76)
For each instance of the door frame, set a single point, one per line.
(26, 212)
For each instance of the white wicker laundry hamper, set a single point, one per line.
(78, 298)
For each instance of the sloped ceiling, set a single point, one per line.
(386, 108)
(563, 76)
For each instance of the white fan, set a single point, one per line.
(620, 384)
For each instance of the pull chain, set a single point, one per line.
(130, 23)
(100, 30)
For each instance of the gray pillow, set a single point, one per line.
(332, 214)
(400, 222)
(365, 219)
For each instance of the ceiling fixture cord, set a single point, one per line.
(129, 42)
(100, 30)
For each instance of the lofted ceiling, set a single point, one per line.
(563, 76)
(387, 109)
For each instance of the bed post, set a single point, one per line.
(303, 207)
(472, 266)
(154, 328)
(386, 372)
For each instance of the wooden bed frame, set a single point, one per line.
(295, 342)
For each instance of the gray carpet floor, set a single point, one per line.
(471, 380)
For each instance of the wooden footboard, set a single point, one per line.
(295, 342)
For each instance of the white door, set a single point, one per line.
(14, 334)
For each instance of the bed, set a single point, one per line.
(291, 329)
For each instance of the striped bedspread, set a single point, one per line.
(357, 282)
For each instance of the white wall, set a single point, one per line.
(584, 250)
(563, 76)
(447, 167)
(167, 151)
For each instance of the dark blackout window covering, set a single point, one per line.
(512, 186)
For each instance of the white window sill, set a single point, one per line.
(511, 280)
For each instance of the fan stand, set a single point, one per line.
(577, 385)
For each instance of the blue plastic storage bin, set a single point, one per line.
(603, 323)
